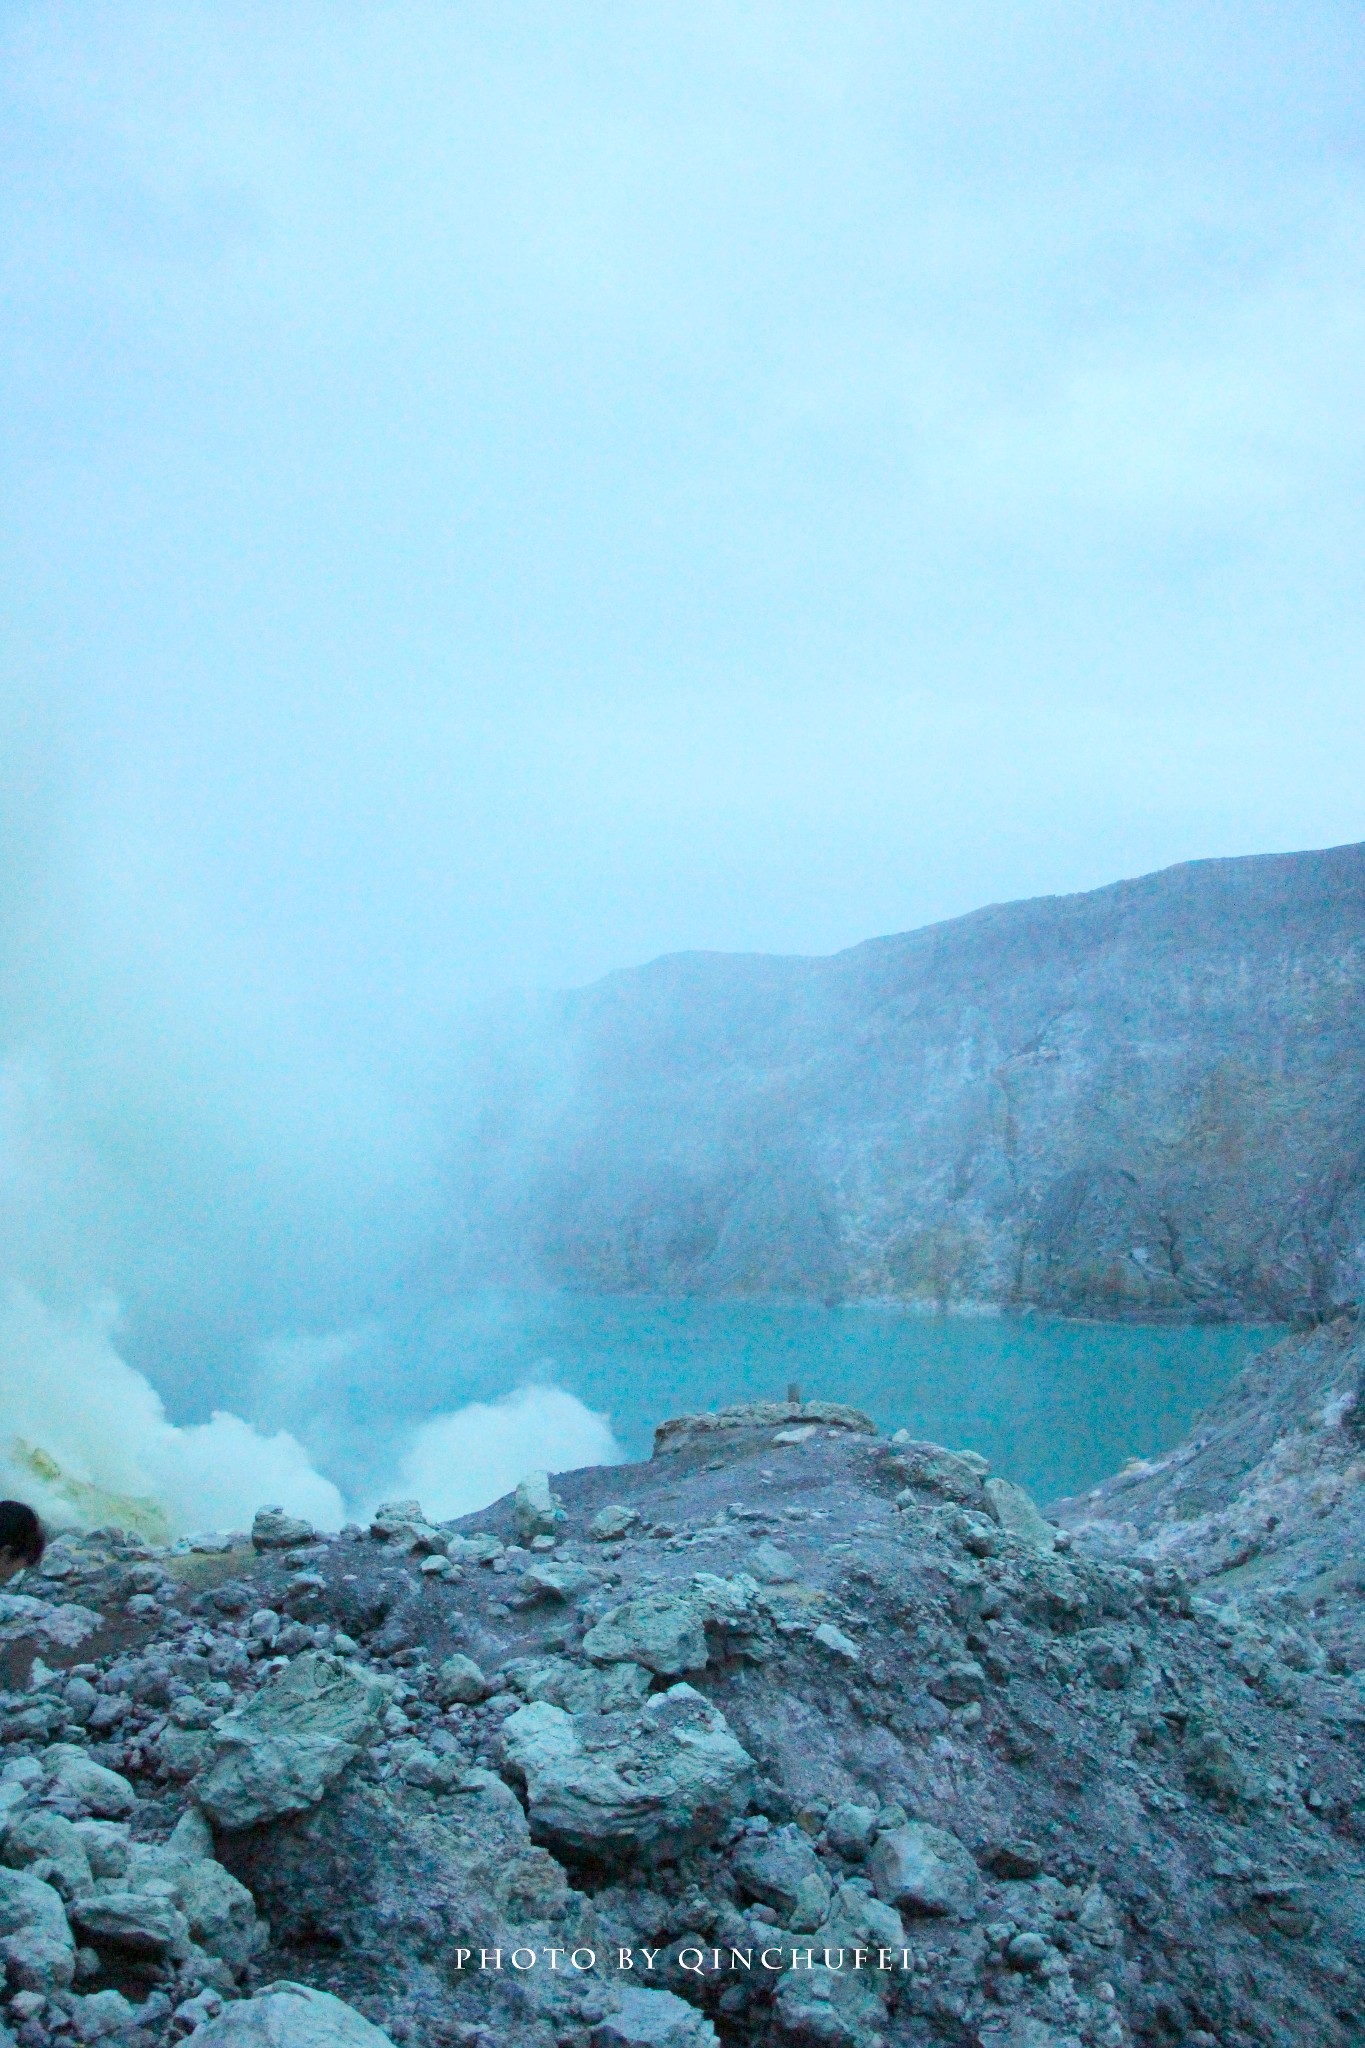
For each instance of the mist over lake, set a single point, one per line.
(1056, 1404)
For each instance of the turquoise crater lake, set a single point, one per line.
(1055, 1404)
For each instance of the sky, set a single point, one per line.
(492, 493)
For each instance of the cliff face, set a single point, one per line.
(1145, 1100)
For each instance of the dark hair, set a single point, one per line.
(21, 1533)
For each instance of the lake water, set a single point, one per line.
(1055, 1404)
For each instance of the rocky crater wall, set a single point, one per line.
(1148, 1100)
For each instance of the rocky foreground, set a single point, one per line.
(791, 1735)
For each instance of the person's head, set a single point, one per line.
(22, 1540)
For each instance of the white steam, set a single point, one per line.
(462, 1461)
(85, 1438)
(68, 1401)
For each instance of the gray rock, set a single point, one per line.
(220, 1911)
(460, 1682)
(650, 1785)
(1017, 1514)
(109, 1709)
(397, 1514)
(191, 1837)
(273, 1529)
(402, 1527)
(1110, 1661)
(195, 2012)
(774, 1566)
(837, 1643)
(1026, 2030)
(184, 1752)
(690, 1432)
(555, 1580)
(652, 2019)
(474, 1549)
(286, 2015)
(534, 1507)
(105, 1843)
(1013, 1859)
(281, 1752)
(140, 1923)
(860, 1921)
(959, 1683)
(79, 1696)
(36, 1944)
(1026, 1952)
(929, 1468)
(580, 1689)
(49, 1837)
(101, 2013)
(782, 1870)
(103, 1793)
(849, 1829)
(662, 1631)
(827, 2008)
(924, 1870)
(610, 1523)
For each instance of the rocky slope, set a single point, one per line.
(1145, 1100)
(790, 1737)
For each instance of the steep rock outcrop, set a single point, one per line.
(1146, 1100)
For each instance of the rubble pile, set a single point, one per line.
(791, 1735)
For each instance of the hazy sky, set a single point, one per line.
(495, 492)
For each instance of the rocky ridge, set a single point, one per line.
(790, 1735)
(1147, 1100)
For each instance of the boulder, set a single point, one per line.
(191, 1837)
(959, 1683)
(183, 1753)
(273, 1529)
(403, 1526)
(84, 1783)
(578, 1688)
(1016, 1859)
(286, 2015)
(828, 2008)
(36, 1945)
(105, 1843)
(484, 1549)
(554, 1579)
(460, 1682)
(662, 1631)
(139, 1923)
(924, 1871)
(859, 1921)
(652, 2019)
(281, 1752)
(783, 1871)
(103, 2012)
(929, 1468)
(220, 1911)
(51, 1839)
(1017, 1515)
(396, 1514)
(849, 1829)
(650, 1785)
(534, 1507)
(774, 1566)
(610, 1523)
